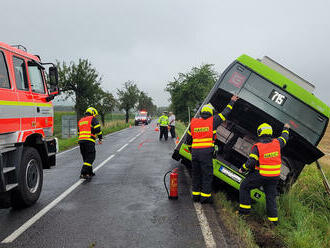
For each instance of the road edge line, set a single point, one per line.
(13, 236)
(77, 146)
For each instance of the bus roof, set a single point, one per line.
(281, 80)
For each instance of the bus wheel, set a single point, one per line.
(30, 179)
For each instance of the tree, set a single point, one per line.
(128, 97)
(106, 104)
(190, 89)
(81, 83)
(145, 102)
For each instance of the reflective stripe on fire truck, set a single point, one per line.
(14, 109)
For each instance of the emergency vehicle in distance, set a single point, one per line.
(27, 145)
(268, 93)
(142, 118)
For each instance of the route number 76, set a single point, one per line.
(277, 97)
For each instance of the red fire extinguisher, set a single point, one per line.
(173, 194)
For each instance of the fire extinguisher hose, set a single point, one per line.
(168, 194)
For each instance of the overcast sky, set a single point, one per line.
(151, 41)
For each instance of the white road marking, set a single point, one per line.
(110, 134)
(205, 227)
(121, 148)
(203, 223)
(42, 212)
(61, 153)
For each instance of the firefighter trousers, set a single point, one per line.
(163, 132)
(202, 173)
(87, 150)
(269, 184)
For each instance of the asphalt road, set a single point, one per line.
(125, 204)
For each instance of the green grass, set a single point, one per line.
(237, 227)
(304, 212)
(58, 122)
(180, 128)
(116, 116)
(110, 127)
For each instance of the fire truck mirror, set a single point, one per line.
(53, 76)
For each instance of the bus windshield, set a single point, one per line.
(275, 101)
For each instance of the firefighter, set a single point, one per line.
(200, 139)
(163, 123)
(264, 165)
(88, 128)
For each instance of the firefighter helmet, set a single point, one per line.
(265, 129)
(208, 108)
(92, 111)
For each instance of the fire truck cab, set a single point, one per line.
(27, 145)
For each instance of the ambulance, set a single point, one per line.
(27, 145)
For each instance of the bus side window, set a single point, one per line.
(20, 74)
(4, 79)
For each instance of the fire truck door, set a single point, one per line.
(9, 119)
(25, 99)
(43, 109)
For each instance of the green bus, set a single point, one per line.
(267, 93)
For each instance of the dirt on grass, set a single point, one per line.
(264, 233)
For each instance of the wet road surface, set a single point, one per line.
(125, 204)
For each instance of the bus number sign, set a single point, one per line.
(277, 97)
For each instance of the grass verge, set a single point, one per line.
(180, 128)
(304, 212)
(237, 227)
(109, 127)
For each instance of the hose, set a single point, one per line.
(168, 194)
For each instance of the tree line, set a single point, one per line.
(188, 90)
(82, 83)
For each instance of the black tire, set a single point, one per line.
(30, 179)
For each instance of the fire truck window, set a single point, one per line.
(4, 79)
(20, 74)
(37, 83)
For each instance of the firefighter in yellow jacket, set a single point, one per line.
(88, 128)
(264, 165)
(201, 135)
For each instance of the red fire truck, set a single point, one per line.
(27, 145)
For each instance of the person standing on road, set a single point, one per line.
(171, 120)
(163, 123)
(88, 129)
(201, 136)
(264, 164)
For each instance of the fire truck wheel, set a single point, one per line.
(30, 179)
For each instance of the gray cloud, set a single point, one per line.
(151, 41)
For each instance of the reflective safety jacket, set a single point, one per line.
(163, 121)
(269, 158)
(88, 129)
(202, 132)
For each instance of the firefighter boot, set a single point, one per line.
(196, 198)
(206, 200)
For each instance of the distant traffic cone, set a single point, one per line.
(130, 126)
(177, 140)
